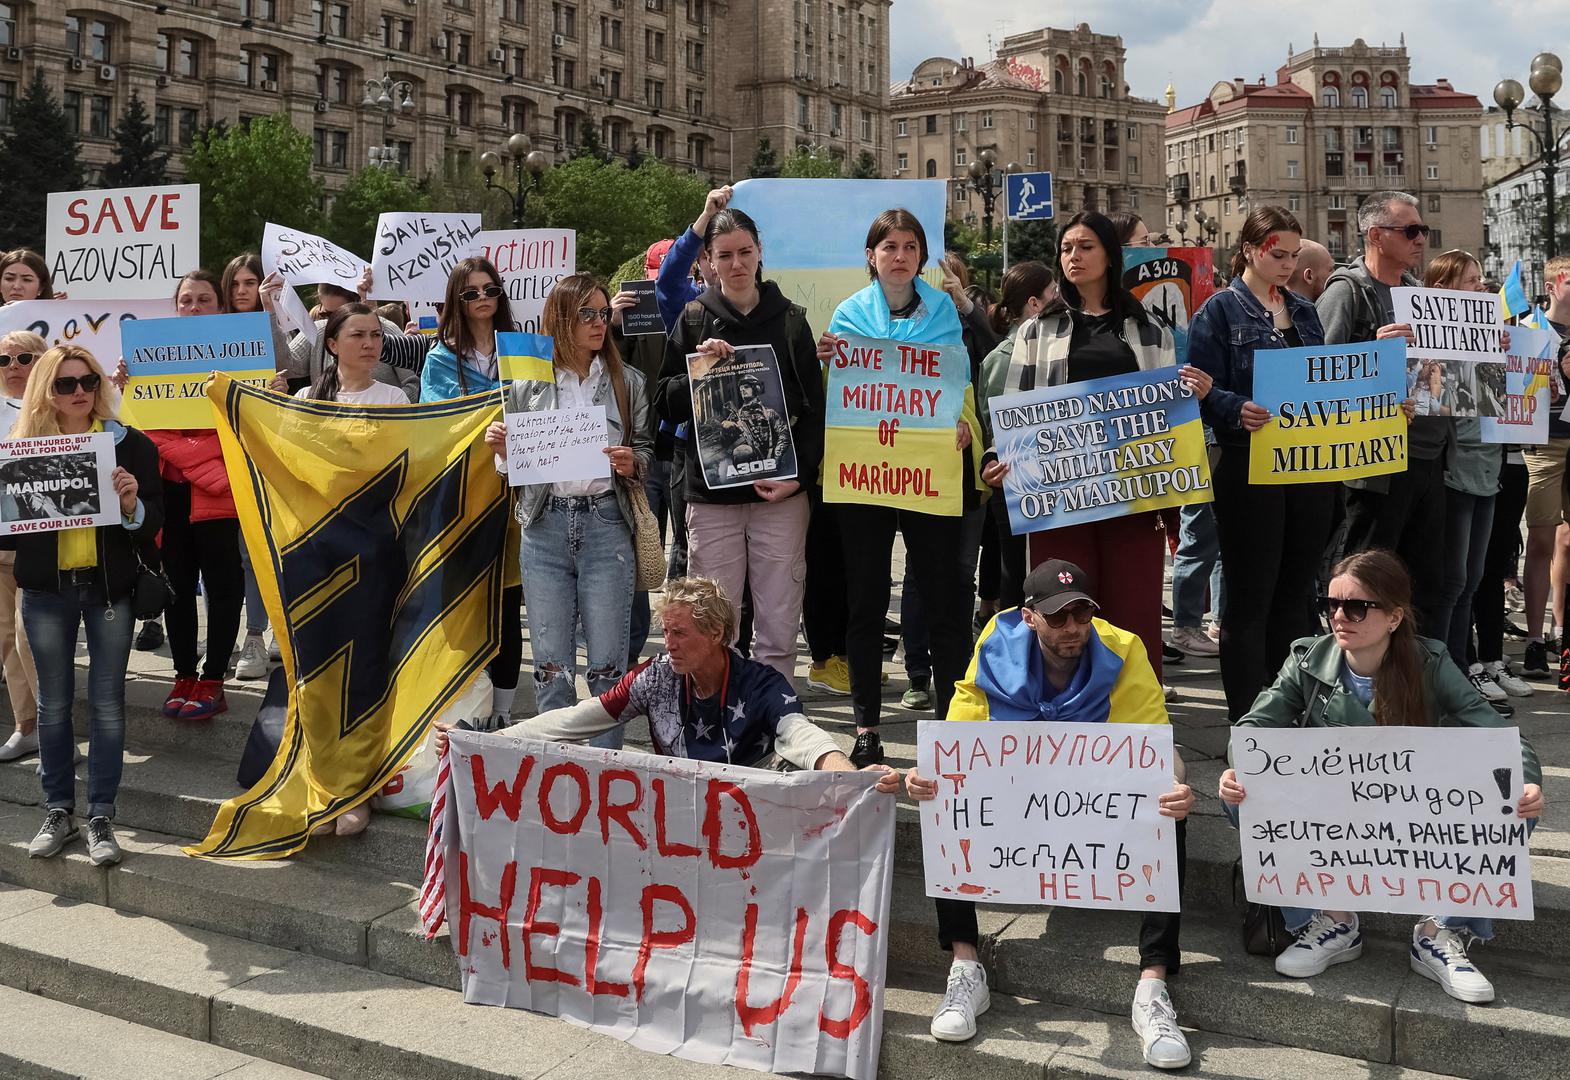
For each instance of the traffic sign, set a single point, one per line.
(1028, 196)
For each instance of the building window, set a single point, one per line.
(1337, 202)
(657, 140)
(1291, 134)
(1432, 172)
(1133, 166)
(564, 72)
(518, 60)
(259, 69)
(695, 101)
(1226, 141)
(7, 102)
(1030, 121)
(330, 149)
(959, 121)
(986, 119)
(515, 114)
(396, 33)
(1330, 97)
(866, 126)
(460, 107)
(610, 33)
(71, 104)
(266, 10)
(932, 123)
(654, 93)
(1431, 136)
(1387, 96)
(901, 162)
(332, 84)
(654, 45)
(7, 24)
(89, 40)
(695, 56)
(513, 10)
(804, 112)
(1433, 204)
(465, 48)
(161, 53)
(564, 20)
(961, 157)
(932, 168)
(98, 108)
(331, 18)
(695, 150)
(1435, 238)
(902, 127)
(959, 193)
(1294, 203)
(1359, 97)
(1292, 169)
(567, 127)
(1080, 85)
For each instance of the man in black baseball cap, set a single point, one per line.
(1052, 659)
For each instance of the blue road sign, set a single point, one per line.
(1028, 195)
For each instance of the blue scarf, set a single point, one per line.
(866, 314)
(1010, 671)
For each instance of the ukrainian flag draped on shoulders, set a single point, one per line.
(1007, 679)
(376, 535)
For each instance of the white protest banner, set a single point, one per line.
(1450, 325)
(557, 446)
(305, 259)
(717, 913)
(1414, 820)
(123, 243)
(92, 324)
(531, 262)
(57, 482)
(415, 253)
(1049, 813)
(644, 317)
(1528, 366)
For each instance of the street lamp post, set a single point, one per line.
(1545, 80)
(1206, 231)
(525, 159)
(987, 181)
(391, 96)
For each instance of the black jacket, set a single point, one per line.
(38, 554)
(800, 373)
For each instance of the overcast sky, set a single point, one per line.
(1195, 43)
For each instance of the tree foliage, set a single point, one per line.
(617, 212)
(39, 155)
(865, 167)
(765, 160)
(138, 162)
(250, 175)
(351, 223)
(814, 163)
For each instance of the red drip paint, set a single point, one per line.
(964, 849)
(972, 890)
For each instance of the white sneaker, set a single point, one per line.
(1515, 599)
(253, 659)
(965, 999)
(1508, 681)
(19, 746)
(1194, 641)
(1443, 959)
(274, 653)
(1485, 684)
(1213, 632)
(1321, 943)
(1155, 1022)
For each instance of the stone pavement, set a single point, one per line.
(171, 967)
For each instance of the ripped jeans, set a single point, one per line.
(578, 570)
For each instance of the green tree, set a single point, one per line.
(618, 212)
(631, 270)
(765, 161)
(865, 167)
(589, 145)
(814, 163)
(137, 160)
(1033, 240)
(635, 155)
(251, 175)
(37, 157)
(351, 223)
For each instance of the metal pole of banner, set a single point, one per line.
(1005, 243)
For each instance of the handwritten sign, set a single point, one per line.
(1049, 813)
(1528, 365)
(305, 259)
(1173, 283)
(294, 315)
(1335, 413)
(124, 243)
(1414, 820)
(170, 360)
(530, 262)
(57, 482)
(415, 253)
(557, 446)
(740, 418)
(91, 324)
(892, 410)
(712, 912)
(644, 318)
(1098, 449)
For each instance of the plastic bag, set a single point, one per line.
(409, 792)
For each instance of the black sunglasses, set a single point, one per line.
(490, 292)
(1411, 232)
(1354, 610)
(22, 359)
(67, 384)
(587, 315)
(1081, 612)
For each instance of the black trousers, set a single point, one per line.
(209, 550)
(509, 654)
(867, 535)
(1159, 931)
(1272, 538)
(823, 608)
(1502, 561)
(1409, 519)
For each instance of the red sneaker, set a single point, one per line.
(206, 700)
(183, 687)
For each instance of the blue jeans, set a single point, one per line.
(255, 609)
(913, 609)
(1198, 558)
(52, 620)
(1469, 523)
(578, 569)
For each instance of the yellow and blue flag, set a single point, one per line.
(376, 534)
(526, 357)
(1512, 294)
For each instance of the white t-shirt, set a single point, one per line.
(376, 394)
(9, 415)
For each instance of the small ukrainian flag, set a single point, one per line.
(1512, 295)
(526, 357)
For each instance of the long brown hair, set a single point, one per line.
(34, 262)
(1446, 269)
(1398, 684)
(251, 261)
(1021, 281)
(1260, 223)
(560, 321)
(452, 327)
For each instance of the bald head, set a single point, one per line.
(1314, 265)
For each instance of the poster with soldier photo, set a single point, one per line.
(57, 482)
(739, 417)
(1460, 389)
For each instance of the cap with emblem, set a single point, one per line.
(1055, 584)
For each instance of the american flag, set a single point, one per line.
(433, 895)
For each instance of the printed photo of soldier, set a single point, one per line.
(743, 427)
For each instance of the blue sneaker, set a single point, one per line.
(1321, 943)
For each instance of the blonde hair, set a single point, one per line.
(27, 341)
(39, 416)
(1559, 264)
(712, 611)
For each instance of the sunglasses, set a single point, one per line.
(1411, 232)
(490, 292)
(1081, 612)
(67, 384)
(587, 315)
(22, 359)
(1353, 610)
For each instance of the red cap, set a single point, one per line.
(656, 255)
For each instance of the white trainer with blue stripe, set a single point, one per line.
(1320, 944)
(1443, 958)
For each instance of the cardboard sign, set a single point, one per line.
(1335, 413)
(713, 912)
(305, 259)
(645, 318)
(57, 482)
(1100, 448)
(1414, 820)
(892, 410)
(94, 325)
(530, 262)
(557, 446)
(1528, 366)
(123, 243)
(1172, 282)
(739, 416)
(170, 360)
(1049, 813)
(415, 253)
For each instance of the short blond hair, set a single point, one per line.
(712, 611)
(1556, 267)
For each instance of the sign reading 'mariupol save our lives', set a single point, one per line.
(1413, 820)
(169, 361)
(1098, 449)
(1335, 413)
(1049, 813)
(57, 482)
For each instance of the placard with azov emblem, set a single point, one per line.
(1173, 282)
